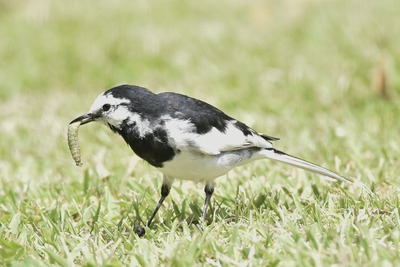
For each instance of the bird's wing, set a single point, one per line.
(196, 125)
(233, 138)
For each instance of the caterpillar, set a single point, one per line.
(73, 142)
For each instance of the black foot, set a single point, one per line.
(140, 231)
(200, 227)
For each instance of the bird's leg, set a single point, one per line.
(209, 190)
(165, 188)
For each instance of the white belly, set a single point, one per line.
(199, 167)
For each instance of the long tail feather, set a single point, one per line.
(277, 155)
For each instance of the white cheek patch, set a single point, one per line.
(118, 116)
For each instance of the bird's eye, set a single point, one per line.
(106, 107)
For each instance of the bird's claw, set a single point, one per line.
(140, 231)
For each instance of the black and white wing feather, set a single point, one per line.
(201, 126)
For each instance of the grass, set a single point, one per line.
(323, 76)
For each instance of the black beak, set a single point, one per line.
(85, 118)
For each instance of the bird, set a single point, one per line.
(186, 138)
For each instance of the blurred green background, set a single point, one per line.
(324, 76)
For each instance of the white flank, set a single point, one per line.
(199, 167)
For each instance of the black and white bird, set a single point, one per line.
(186, 138)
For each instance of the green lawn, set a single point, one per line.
(324, 76)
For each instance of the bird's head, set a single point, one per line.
(117, 107)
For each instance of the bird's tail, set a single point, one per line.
(277, 155)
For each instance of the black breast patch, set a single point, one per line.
(152, 147)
